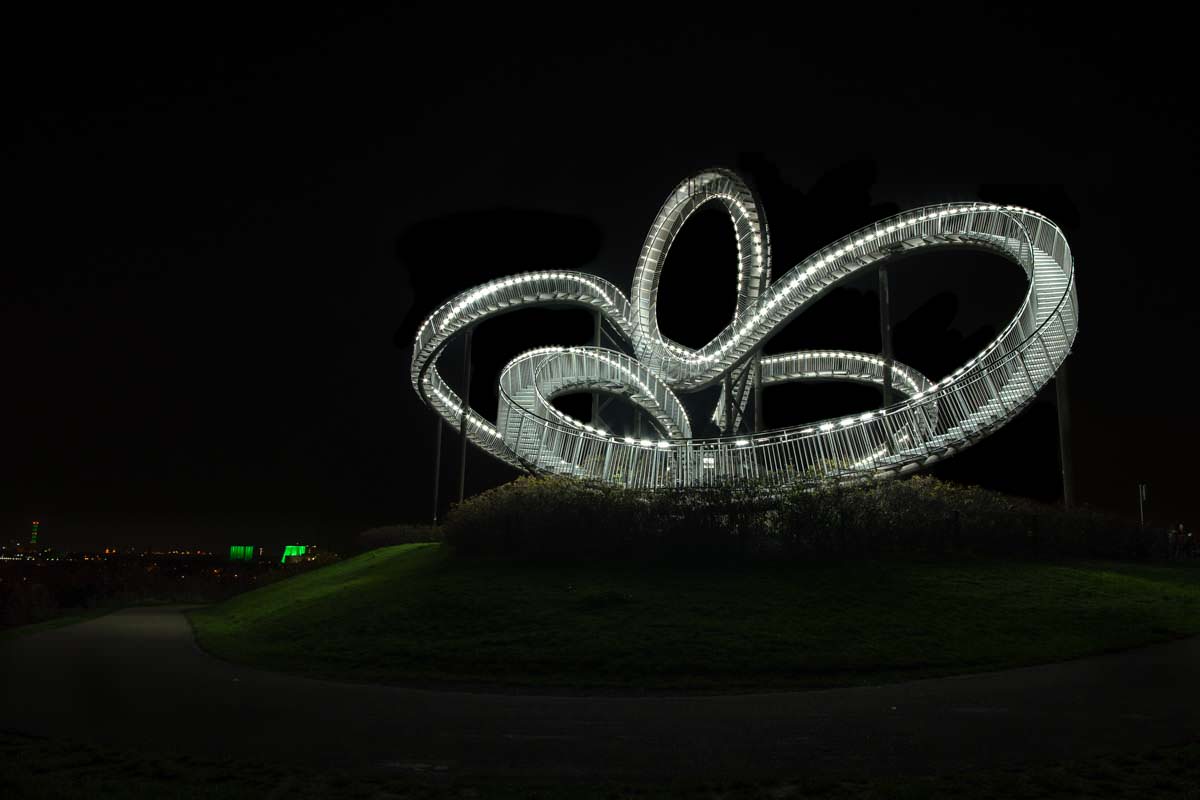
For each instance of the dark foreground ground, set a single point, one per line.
(136, 682)
(47, 768)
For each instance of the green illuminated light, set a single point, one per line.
(293, 550)
(241, 552)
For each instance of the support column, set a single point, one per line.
(437, 467)
(885, 334)
(1062, 401)
(462, 425)
(728, 386)
(1142, 507)
(758, 406)
(596, 395)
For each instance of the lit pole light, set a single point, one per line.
(930, 421)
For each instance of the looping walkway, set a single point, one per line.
(933, 421)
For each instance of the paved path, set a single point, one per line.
(136, 679)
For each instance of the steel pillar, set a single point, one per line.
(437, 467)
(758, 405)
(462, 425)
(596, 395)
(885, 334)
(1062, 401)
(728, 386)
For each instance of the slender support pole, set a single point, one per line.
(728, 384)
(596, 395)
(885, 334)
(758, 403)
(462, 425)
(437, 467)
(1142, 507)
(1063, 402)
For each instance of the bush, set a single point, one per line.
(388, 535)
(562, 518)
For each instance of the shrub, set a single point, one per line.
(388, 535)
(561, 518)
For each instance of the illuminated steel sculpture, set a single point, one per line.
(933, 420)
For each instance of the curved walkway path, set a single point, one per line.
(136, 679)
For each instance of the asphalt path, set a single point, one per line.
(137, 680)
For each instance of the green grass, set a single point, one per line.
(413, 612)
(49, 769)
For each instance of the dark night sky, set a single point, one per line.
(226, 229)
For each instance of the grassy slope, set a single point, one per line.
(411, 612)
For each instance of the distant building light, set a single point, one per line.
(293, 550)
(241, 552)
